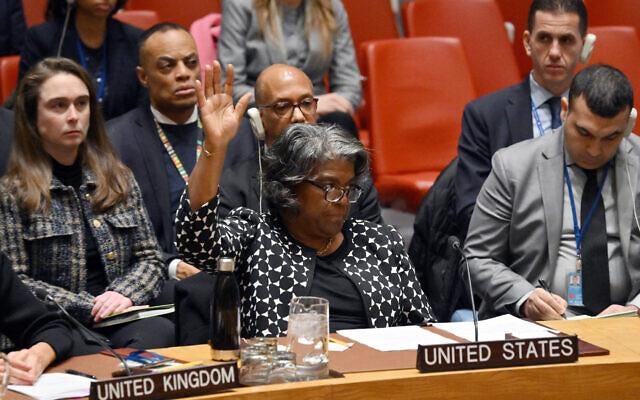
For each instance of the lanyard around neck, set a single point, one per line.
(536, 117)
(578, 231)
(172, 154)
(101, 77)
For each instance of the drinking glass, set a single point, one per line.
(308, 336)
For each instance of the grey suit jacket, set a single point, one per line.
(243, 45)
(515, 229)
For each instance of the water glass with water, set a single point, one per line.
(308, 336)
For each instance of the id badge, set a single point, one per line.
(574, 289)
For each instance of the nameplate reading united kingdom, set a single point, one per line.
(507, 353)
(168, 385)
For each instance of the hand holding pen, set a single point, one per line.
(544, 305)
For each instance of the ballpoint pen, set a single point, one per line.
(543, 285)
(80, 373)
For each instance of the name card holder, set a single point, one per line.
(164, 385)
(497, 354)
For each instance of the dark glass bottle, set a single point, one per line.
(224, 335)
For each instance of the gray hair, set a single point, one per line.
(299, 151)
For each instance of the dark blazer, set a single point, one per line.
(136, 141)
(124, 92)
(6, 137)
(489, 123)
(12, 27)
(25, 319)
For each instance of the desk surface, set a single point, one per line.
(616, 376)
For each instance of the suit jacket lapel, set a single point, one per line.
(625, 186)
(519, 113)
(550, 175)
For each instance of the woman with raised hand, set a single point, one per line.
(72, 215)
(304, 244)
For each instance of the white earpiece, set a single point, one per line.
(256, 123)
(587, 48)
(633, 116)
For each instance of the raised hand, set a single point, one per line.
(220, 118)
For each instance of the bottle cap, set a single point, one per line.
(226, 264)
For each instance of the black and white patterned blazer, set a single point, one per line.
(272, 267)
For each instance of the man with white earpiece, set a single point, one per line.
(556, 39)
(284, 96)
(554, 231)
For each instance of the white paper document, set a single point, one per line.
(495, 329)
(394, 339)
(55, 386)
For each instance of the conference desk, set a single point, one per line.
(614, 376)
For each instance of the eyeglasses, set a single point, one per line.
(334, 194)
(306, 106)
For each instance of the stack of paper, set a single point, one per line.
(55, 386)
(496, 328)
(395, 338)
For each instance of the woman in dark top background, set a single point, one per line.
(105, 47)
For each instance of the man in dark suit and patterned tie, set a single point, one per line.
(555, 229)
(554, 40)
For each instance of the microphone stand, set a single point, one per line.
(455, 244)
(43, 295)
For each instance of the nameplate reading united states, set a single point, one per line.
(175, 384)
(507, 353)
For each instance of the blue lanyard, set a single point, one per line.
(534, 111)
(579, 233)
(102, 71)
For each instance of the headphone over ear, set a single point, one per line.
(633, 116)
(256, 123)
(587, 48)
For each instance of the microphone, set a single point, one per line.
(65, 26)
(454, 243)
(43, 295)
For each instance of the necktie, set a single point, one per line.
(554, 106)
(595, 259)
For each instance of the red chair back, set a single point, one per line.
(34, 11)
(8, 76)
(618, 46)
(480, 27)
(614, 12)
(183, 12)
(143, 19)
(415, 108)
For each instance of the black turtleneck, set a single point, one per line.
(71, 175)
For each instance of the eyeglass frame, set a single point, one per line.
(345, 191)
(293, 107)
